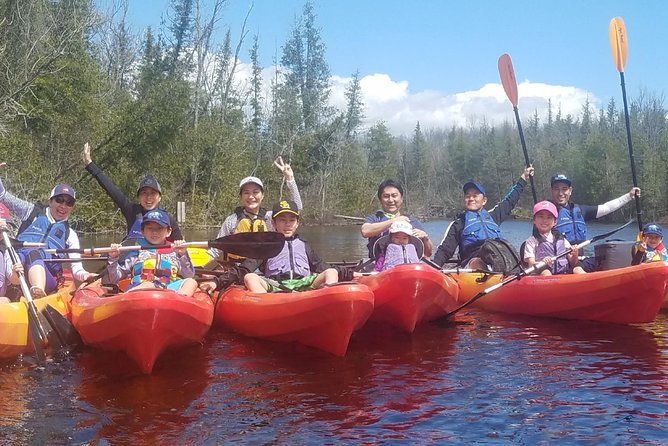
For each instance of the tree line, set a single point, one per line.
(169, 103)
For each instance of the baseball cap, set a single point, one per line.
(401, 226)
(560, 178)
(149, 181)
(254, 180)
(469, 184)
(158, 216)
(62, 189)
(546, 206)
(652, 228)
(284, 206)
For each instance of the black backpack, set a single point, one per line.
(501, 256)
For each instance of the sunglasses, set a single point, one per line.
(60, 199)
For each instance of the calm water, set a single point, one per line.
(485, 379)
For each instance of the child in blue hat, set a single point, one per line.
(650, 248)
(169, 268)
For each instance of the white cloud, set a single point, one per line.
(392, 102)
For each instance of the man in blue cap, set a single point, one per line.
(472, 227)
(573, 217)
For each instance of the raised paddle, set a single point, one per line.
(619, 47)
(507, 75)
(538, 266)
(255, 245)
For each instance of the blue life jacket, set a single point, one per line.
(41, 230)
(571, 223)
(134, 233)
(291, 263)
(478, 227)
(399, 255)
(153, 266)
(547, 249)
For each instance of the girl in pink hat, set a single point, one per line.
(547, 242)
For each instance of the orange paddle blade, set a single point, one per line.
(507, 75)
(618, 42)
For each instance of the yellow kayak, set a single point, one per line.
(14, 320)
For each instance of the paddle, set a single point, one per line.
(256, 245)
(38, 334)
(507, 75)
(538, 266)
(618, 45)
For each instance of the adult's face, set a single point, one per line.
(474, 200)
(149, 198)
(61, 206)
(561, 193)
(391, 200)
(251, 197)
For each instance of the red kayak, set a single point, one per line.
(324, 318)
(408, 295)
(142, 323)
(626, 295)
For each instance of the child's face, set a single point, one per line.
(399, 238)
(652, 240)
(544, 221)
(155, 233)
(286, 223)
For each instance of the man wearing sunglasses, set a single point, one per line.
(46, 224)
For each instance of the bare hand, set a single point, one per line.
(419, 233)
(17, 268)
(115, 252)
(634, 192)
(179, 247)
(285, 168)
(3, 164)
(548, 261)
(208, 287)
(401, 218)
(86, 154)
(528, 171)
(3, 225)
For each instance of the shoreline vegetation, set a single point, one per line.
(149, 104)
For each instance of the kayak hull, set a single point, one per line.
(324, 318)
(627, 295)
(14, 332)
(408, 295)
(142, 323)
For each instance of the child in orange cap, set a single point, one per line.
(547, 242)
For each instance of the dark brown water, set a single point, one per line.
(486, 379)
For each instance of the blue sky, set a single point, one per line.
(441, 55)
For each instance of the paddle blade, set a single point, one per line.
(507, 75)
(618, 42)
(199, 256)
(62, 335)
(35, 331)
(254, 245)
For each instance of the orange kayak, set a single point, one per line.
(626, 295)
(142, 323)
(324, 318)
(14, 320)
(408, 295)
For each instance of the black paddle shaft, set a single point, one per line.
(526, 154)
(629, 141)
